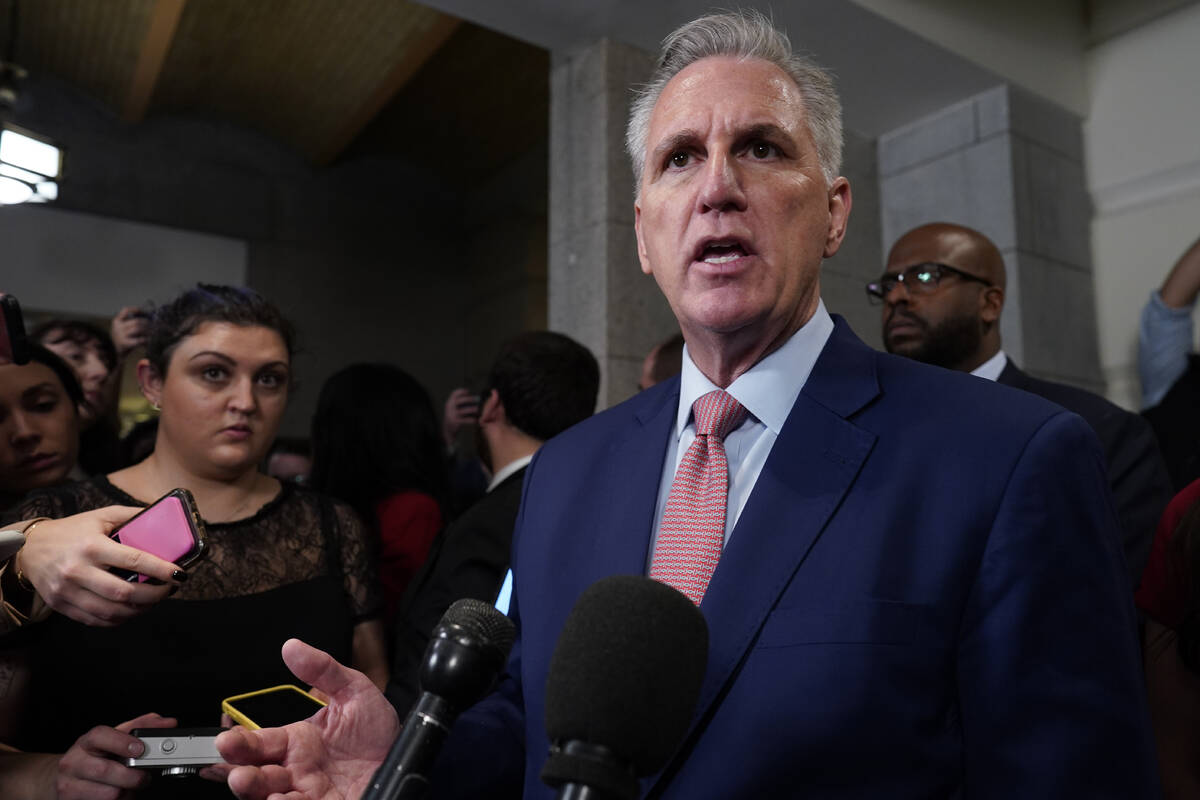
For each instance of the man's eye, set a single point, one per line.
(925, 276)
(762, 150)
(679, 159)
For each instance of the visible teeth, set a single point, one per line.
(722, 259)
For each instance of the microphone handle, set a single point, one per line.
(578, 791)
(404, 774)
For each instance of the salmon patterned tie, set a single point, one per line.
(692, 532)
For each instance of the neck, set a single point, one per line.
(989, 348)
(507, 444)
(723, 356)
(220, 497)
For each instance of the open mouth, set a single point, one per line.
(721, 251)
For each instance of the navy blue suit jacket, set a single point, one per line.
(924, 597)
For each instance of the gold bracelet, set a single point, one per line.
(22, 581)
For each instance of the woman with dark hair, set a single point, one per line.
(91, 354)
(1169, 596)
(39, 425)
(377, 445)
(282, 561)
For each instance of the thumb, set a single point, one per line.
(317, 668)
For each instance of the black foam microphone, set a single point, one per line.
(622, 687)
(468, 649)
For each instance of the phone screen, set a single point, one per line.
(276, 708)
(13, 345)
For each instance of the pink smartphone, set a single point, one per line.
(169, 528)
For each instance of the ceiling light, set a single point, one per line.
(30, 166)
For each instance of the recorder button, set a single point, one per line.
(168, 745)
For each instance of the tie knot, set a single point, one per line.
(717, 413)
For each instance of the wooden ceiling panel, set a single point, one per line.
(296, 71)
(94, 45)
(481, 101)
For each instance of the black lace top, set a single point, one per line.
(302, 566)
(290, 539)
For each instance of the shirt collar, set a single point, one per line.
(992, 368)
(768, 390)
(508, 469)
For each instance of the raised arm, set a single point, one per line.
(1165, 336)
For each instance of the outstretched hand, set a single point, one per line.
(330, 756)
(67, 561)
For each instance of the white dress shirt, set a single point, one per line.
(768, 390)
(991, 368)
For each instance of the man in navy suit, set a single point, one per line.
(919, 593)
(942, 294)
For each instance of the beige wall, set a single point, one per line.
(1142, 140)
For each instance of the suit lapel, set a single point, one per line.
(634, 472)
(811, 467)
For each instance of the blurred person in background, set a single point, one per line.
(662, 362)
(540, 384)
(376, 446)
(39, 425)
(290, 459)
(91, 353)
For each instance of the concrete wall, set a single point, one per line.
(860, 259)
(1008, 164)
(1143, 161)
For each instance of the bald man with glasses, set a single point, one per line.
(942, 294)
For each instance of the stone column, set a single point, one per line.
(597, 292)
(1011, 166)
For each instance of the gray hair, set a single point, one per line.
(743, 34)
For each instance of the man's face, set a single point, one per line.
(734, 217)
(944, 326)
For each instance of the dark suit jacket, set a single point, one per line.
(922, 598)
(1137, 475)
(468, 559)
(1177, 426)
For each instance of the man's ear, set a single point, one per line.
(492, 410)
(643, 256)
(991, 304)
(840, 201)
(150, 382)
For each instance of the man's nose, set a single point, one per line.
(896, 293)
(722, 189)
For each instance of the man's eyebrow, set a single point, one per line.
(676, 141)
(764, 130)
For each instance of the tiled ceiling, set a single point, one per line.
(327, 78)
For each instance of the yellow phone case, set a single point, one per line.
(229, 704)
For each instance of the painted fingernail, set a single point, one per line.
(179, 575)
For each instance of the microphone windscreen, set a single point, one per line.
(627, 669)
(484, 623)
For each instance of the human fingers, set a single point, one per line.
(319, 669)
(240, 746)
(112, 553)
(259, 783)
(151, 720)
(91, 767)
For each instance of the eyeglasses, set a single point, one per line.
(918, 279)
